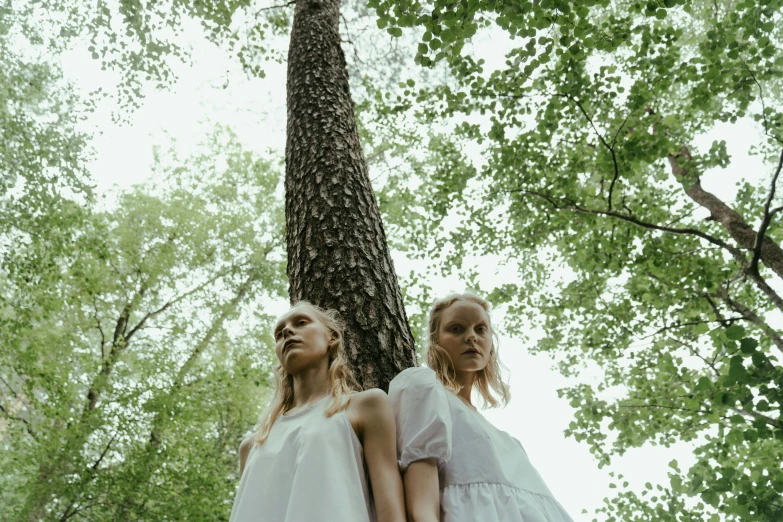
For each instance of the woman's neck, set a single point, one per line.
(466, 380)
(310, 385)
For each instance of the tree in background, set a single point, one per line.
(591, 163)
(135, 390)
(592, 186)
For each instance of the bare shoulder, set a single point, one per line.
(369, 408)
(371, 399)
(244, 451)
(245, 446)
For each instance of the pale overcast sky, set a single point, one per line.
(255, 110)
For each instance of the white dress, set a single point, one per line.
(310, 468)
(485, 474)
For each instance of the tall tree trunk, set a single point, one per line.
(337, 251)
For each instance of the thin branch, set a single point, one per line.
(682, 325)
(174, 301)
(13, 417)
(762, 284)
(687, 214)
(620, 128)
(609, 147)
(763, 104)
(100, 328)
(279, 6)
(179, 380)
(754, 263)
(716, 310)
(103, 454)
(693, 351)
(690, 231)
(750, 316)
(663, 406)
(29, 232)
(7, 385)
(755, 415)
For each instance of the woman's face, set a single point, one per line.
(465, 334)
(301, 340)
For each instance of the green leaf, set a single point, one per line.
(703, 384)
(748, 345)
(737, 372)
(735, 332)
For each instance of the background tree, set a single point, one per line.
(582, 153)
(136, 390)
(593, 184)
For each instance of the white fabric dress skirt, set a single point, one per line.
(485, 474)
(310, 468)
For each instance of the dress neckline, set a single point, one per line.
(304, 409)
(472, 409)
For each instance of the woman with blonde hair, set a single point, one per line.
(457, 466)
(319, 439)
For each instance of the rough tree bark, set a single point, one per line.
(337, 251)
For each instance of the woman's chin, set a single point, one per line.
(474, 367)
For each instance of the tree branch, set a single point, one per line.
(103, 454)
(718, 314)
(608, 147)
(757, 278)
(13, 417)
(761, 97)
(710, 364)
(754, 263)
(732, 222)
(157, 423)
(688, 323)
(174, 301)
(690, 231)
(279, 6)
(663, 406)
(750, 316)
(755, 415)
(100, 328)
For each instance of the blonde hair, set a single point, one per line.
(341, 379)
(488, 381)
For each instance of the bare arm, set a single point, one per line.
(244, 451)
(375, 419)
(422, 491)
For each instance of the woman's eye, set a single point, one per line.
(301, 322)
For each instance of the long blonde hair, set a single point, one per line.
(488, 381)
(341, 379)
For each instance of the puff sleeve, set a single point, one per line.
(421, 410)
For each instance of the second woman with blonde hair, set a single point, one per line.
(456, 465)
(319, 439)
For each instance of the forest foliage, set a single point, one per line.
(134, 351)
